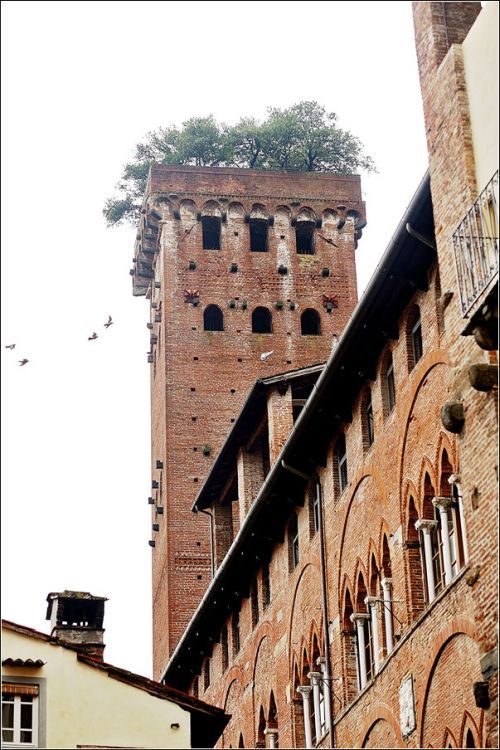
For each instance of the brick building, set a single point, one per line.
(354, 505)
(236, 264)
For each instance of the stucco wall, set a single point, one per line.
(480, 51)
(86, 707)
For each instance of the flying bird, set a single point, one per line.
(265, 355)
(109, 323)
(23, 362)
(10, 346)
(94, 336)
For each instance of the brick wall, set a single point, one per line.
(200, 379)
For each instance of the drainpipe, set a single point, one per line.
(212, 539)
(326, 635)
(324, 602)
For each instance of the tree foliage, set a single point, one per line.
(303, 137)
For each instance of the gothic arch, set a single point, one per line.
(305, 213)
(455, 648)
(426, 365)
(329, 216)
(296, 628)
(188, 210)
(381, 734)
(258, 211)
(235, 210)
(211, 208)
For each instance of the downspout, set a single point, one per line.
(212, 539)
(326, 634)
(324, 601)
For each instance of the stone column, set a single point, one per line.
(359, 618)
(272, 733)
(372, 603)
(442, 504)
(426, 525)
(386, 584)
(326, 694)
(304, 691)
(455, 480)
(315, 678)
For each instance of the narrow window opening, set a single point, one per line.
(293, 542)
(213, 319)
(316, 499)
(211, 232)
(254, 597)
(258, 235)
(206, 675)
(304, 237)
(235, 632)
(266, 586)
(341, 461)
(391, 387)
(225, 649)
(262, 320)
(310, 323)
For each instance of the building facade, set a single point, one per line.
(248, 273)
(58, 692)
(355, 603)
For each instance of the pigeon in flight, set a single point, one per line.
(109, 323)
(10, 346)
(94, 336)
(265, 355)
(23, 362)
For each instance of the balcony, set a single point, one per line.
(475, 244)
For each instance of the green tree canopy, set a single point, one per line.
(303, 137)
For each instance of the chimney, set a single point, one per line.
(76, 618)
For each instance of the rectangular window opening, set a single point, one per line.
(211, 232)
(258, 235)
(304, 237)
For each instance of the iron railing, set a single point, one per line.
(475, 244)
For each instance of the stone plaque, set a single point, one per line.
(407, 717)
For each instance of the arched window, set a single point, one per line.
(225, 648)
(241, 742)
(293, 542)
(386, 595)
(261, 737)
(349, 650)
(431, 543)
(340, 473)
(211, 232)
(367, 419)
(414, 343)
(258, 235)
(262, 321)
(213, 318)
(304, 237)
(415, 564)
(469, 739)
(456, 533)
(310, 324)
(364, 644)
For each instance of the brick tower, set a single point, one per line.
(236, 263)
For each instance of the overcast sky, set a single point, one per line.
(82, 83)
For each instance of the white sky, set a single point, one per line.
(82, 83)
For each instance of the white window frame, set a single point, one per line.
(18, 702)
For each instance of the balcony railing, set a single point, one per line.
(475, 243)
